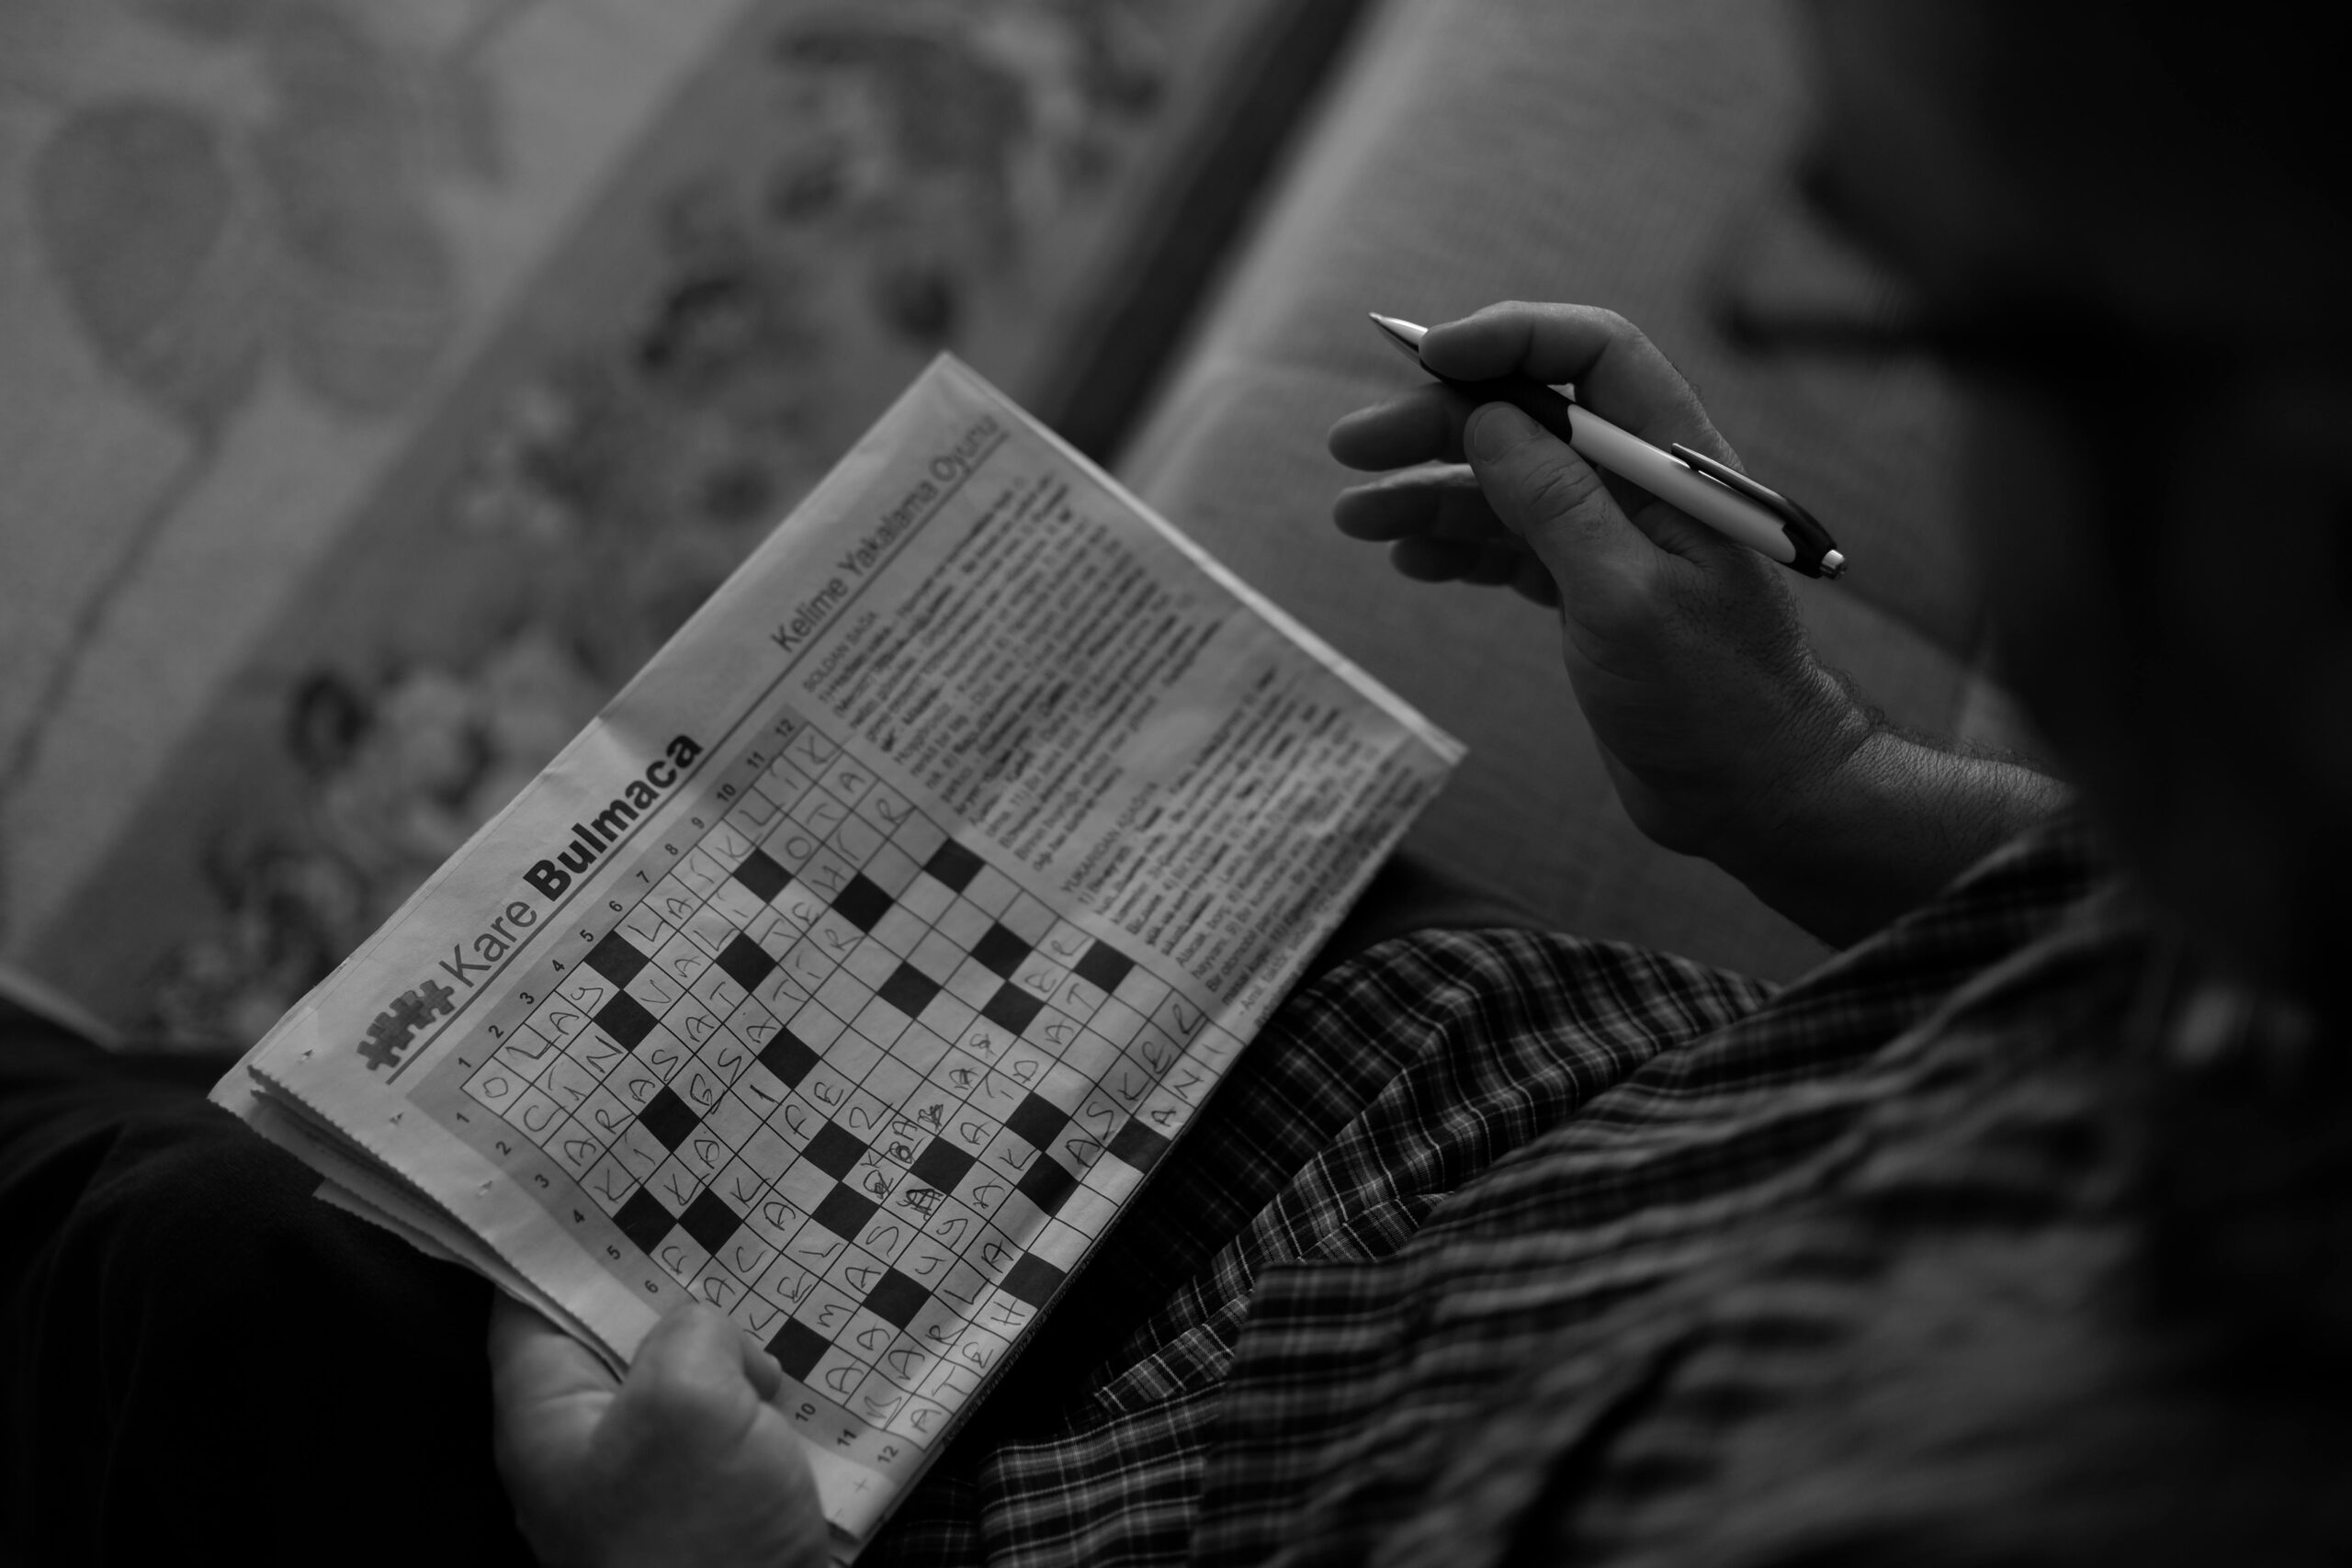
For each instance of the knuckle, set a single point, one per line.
(1562, 490)
(673, 1406)
(1631, 602)
(1618, 327)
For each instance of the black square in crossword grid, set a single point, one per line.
(897, 1299)
(798, 1348)
(1011, 1008)
(1138, 1146)
(1103, 965)
(1033, 1279)
(710, 1221)
(843, 1212)
(669, 1119)
(644, 1220)
(942, 1164)
(833, 1150)
(1045, 1184)
(999, 952)
(1037, 1119)
(909, 989)
(625, 1020)
(615, 960)
(745, 961)
(861, 903)
(787, 1058)
(761, 873)
(953, 866)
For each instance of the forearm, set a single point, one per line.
(1883, 830)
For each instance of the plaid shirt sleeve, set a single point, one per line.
(1461, 1216)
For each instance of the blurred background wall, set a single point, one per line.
(380, 385)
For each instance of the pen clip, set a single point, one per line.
(1812, 543)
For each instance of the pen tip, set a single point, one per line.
(1405, 335)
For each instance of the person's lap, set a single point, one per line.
(204, 1359)
(1386, 1087)
(201, 1360)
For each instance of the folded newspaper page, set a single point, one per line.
(858, 963)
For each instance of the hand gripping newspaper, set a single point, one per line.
(856, 965)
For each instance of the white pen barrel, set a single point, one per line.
(1668, 478)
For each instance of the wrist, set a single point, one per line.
(1879, 824)
(1826, 741)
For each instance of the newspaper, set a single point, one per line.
(857, 965)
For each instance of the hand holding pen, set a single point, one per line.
(1684, 648)
(1723, 734)
(1714, 493)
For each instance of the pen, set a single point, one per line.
(1716, 494)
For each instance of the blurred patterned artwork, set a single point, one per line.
(384, 383)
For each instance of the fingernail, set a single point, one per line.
(1495, 429)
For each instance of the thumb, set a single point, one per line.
(698, 1343)
(695, 1362)
(1544, 492)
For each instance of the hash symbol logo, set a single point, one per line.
(395, 1028)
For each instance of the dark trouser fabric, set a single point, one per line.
(203, 1363)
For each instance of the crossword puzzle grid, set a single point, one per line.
(838, 1076)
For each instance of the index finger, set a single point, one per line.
(547, 1391)
(1421, 425)
(532, 1361)
(1618, 372)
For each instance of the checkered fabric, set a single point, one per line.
(1501, 1239)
